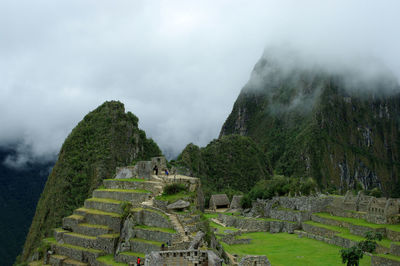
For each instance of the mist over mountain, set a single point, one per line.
(334, 122)
(20, 189)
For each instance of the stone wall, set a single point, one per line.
(290, 215)
(183, 257)
(231, 239)
(392, 235)
(254, 260)
(363, 230)
(153, 235)
(381, 261)
(152, 218)
(248, 224)
(316, 230)
(263, 208)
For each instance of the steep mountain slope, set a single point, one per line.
(231, 163)
(106, 138)
(336, 126)
(20, 189)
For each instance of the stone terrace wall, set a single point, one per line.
(307, 204)
(183, 257)
(255, 260)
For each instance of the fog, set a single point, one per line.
(177, 65)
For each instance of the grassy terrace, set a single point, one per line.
(175, 197)
(351, 220)
(80, 248)
(93, 211)
(109, 235)
(133, 254)
(151, 242)
(95, 226)
(104, 200)
(150, 210)
(127, 180)
(124, 190)
(109, 260)
(388, 256)
(159, 229)
(345, 233)
(303, 251)
(81, 236)
(221, 229)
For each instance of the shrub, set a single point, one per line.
(173, 189)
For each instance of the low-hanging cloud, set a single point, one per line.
(178, 65)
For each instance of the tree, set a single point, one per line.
(353, 255)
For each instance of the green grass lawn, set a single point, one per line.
(289, 249)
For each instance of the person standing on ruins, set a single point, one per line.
(155, 169)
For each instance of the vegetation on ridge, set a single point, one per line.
(106, 138)
(231, 164)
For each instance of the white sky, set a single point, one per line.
(177, 65)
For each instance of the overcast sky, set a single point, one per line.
(177, 65)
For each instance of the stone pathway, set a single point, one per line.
(178, 226)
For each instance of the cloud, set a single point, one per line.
(178, 65)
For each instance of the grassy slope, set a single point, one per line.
(106, 138)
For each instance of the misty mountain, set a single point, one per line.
(20, 189)
(338, 125)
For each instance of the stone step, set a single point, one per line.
(92, 229)
(154, 233)
(72, 221)
(107, 205)
(133, 196)
(127, 257)
(139, 245)
(110, 219)
(86, 255)
(154, 186)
